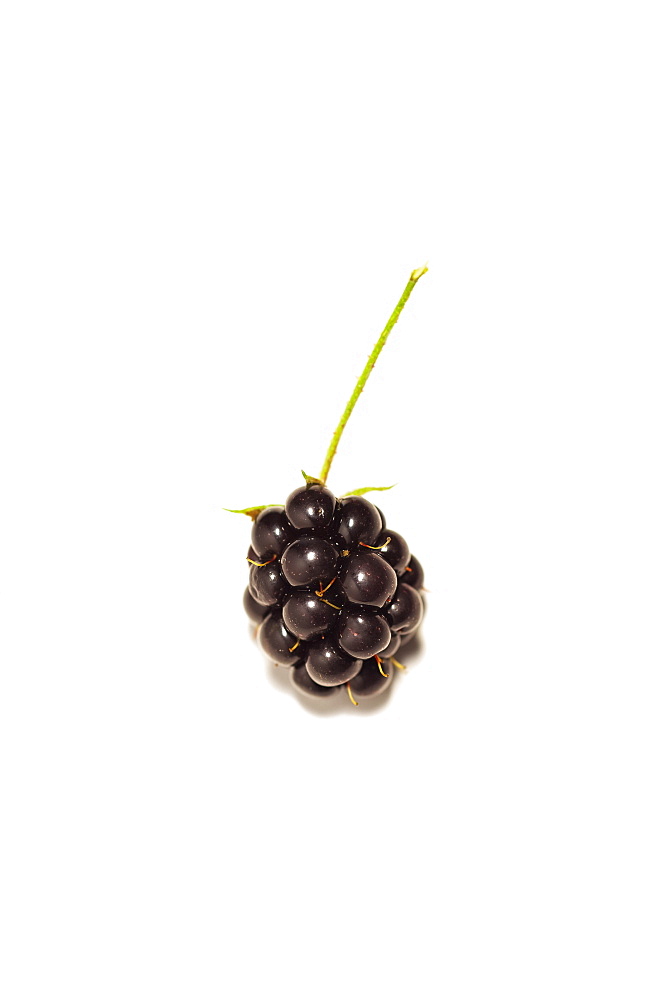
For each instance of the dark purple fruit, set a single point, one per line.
(279, 644)
(328, 665)
(253, 609)
(309, 560)
(360, 521)
(306, 685)
(271, 532)
(405, 611)
(413, 574)
(307, 616)
(362, 633)
(310, 507)
(332, 592)
(395, 552)
(369, 681)
(267, 584)
(367, 578)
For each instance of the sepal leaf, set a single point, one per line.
(311, 479)
(369, 489)
(252, 512)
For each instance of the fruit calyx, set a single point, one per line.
(252, 512)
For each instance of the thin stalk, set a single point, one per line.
(362, 380)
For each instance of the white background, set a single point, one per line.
(208, 212)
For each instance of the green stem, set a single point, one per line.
(362, 380)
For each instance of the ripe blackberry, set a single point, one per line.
(333, 592)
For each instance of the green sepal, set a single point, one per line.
(252, 512)
(311, 480)
(369, 489)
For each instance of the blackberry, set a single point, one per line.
(332, 609)
(332, 591)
